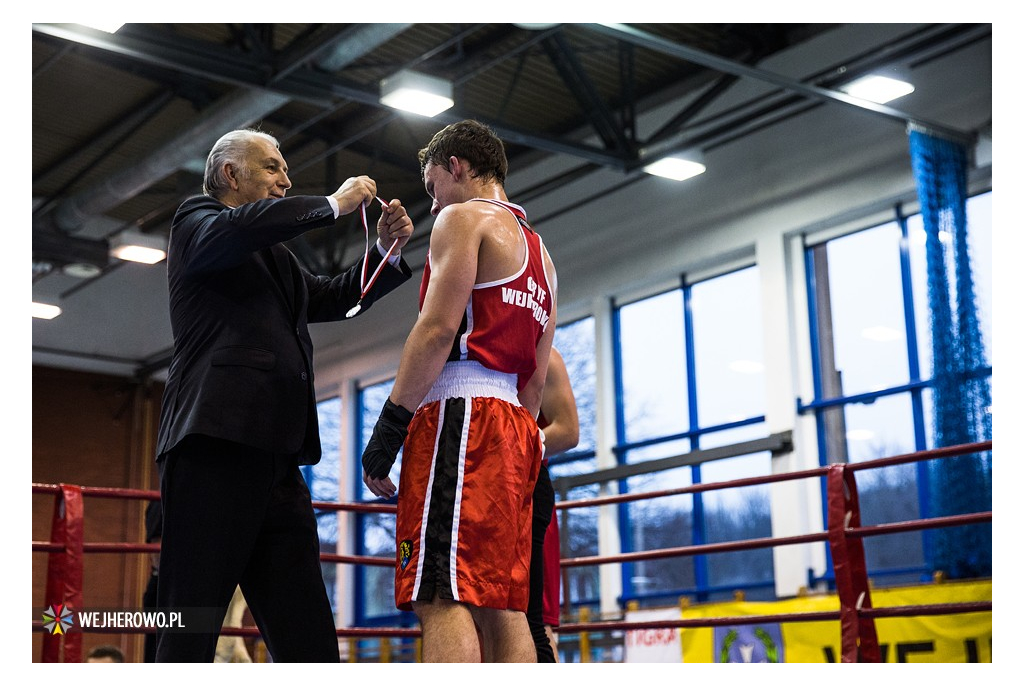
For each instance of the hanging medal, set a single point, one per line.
(364, 286)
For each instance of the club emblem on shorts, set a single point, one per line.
(404, 553)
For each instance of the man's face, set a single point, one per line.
(265, 174)
(440, 185)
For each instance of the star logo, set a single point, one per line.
(58, 619)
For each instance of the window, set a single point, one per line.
(872, 357)
(728, 348)
(738, 514)
(652, 375)
(868, 322)
(730, 388)
(691, 377)
(322, 480)
(375, 602)
(575, 341)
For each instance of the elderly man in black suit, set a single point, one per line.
(239, 414)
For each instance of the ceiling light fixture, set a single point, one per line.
(81, 270)
(414, 92)
(133, 246)
(678, 168)
(45, 311)
(878, 89)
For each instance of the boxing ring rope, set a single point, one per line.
(859, 640)
(844, 534)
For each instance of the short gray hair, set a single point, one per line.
(232, 148)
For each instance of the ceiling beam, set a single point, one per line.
(236, 110)
(649, 41)
(313, 86)
(575, 78)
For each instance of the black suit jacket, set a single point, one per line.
(242, 368)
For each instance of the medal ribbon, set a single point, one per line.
(364, 286)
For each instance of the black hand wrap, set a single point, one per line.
(388, 437)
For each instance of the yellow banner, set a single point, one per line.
(952, 638)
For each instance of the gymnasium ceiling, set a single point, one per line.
(121, 124)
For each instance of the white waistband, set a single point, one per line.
(472, 379)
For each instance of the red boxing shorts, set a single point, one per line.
(465, 495)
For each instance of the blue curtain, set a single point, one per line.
(962, 395)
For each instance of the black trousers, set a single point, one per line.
(543, 510)
(149, 602)
(234, 515)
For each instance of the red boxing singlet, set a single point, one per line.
(505, 319)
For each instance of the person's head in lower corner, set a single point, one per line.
(105, 654)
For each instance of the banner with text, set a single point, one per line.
(951, 638)
(656, 646)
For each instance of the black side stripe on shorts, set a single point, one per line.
(441, 516)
